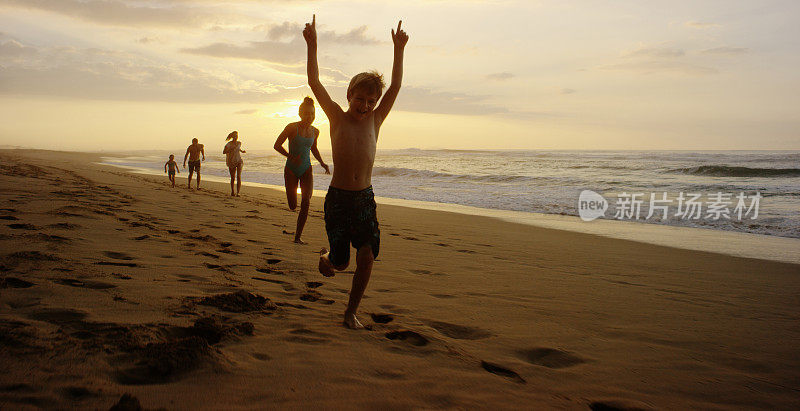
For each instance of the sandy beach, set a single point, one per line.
(115, 283)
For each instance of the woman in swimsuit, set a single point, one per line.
(302, 138)
(234, 161)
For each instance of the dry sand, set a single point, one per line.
(115, 283)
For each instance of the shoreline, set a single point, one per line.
(738, 244)
(114, 283)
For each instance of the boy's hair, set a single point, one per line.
(230, 136)
(370, 80)
(171, 156)
(306, 101)
(194, 140)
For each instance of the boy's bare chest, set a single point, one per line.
(355, 139)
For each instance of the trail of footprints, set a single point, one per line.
(214, 327)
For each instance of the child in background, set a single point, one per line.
(173, 167)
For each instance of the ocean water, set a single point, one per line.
(550, 182)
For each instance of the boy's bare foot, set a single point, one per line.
(351, 322)
(299, 241)
(325, 266)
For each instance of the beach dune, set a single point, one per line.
(115, 283)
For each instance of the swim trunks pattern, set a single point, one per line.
(194, 166)
(351, 218)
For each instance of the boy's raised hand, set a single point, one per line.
(400, 38)
(310, 32)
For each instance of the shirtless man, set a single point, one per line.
(350, 209)
(193, 152)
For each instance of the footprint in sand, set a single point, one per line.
(64, 226)
(22, 226)
(411, 238)
(382, 318)
(286, 286)
(11, 282)
(423, 272)
(267, 270)
(93, 285)
(8, 218)
(141, 237)
(116, 264)
(550, 357)
(466, 251)
(502, 371)
(313, 284)
(306, 336)
(615, 404)
(227, 251)
(273, 260)
(411, 337)
(58, 316)
(33, 256)
(459, 332)
(207, 254)
(315, 296)
(117, 255)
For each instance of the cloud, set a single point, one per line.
(12, 49)
(125, 13)
(657, 52)
(658, 59)
(273, 51)
(500, 76)
(148, 40)
(250, 111)
(727, 50)
(701, 25)
(567, 91)
(108, 75)
(286, 56)
(657, 66)
(292, 30)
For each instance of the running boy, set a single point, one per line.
(173, 166)
(350, 216)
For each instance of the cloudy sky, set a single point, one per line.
(636, 74)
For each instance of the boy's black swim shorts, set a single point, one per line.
(350, 218)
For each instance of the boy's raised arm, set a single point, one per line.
(332, 110)
(399, 38)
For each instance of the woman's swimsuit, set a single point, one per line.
(301, 146)
(234, 158)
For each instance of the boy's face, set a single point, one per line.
(171, 156)
(362, 102)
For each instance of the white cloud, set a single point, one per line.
(500, 76)
(657, 52)
(657, 66)
(727, 51)
(126, 13)
(108, 75)
(701, 25)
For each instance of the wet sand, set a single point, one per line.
(115, 283)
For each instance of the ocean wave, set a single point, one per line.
(428, 174)
(733, 171)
